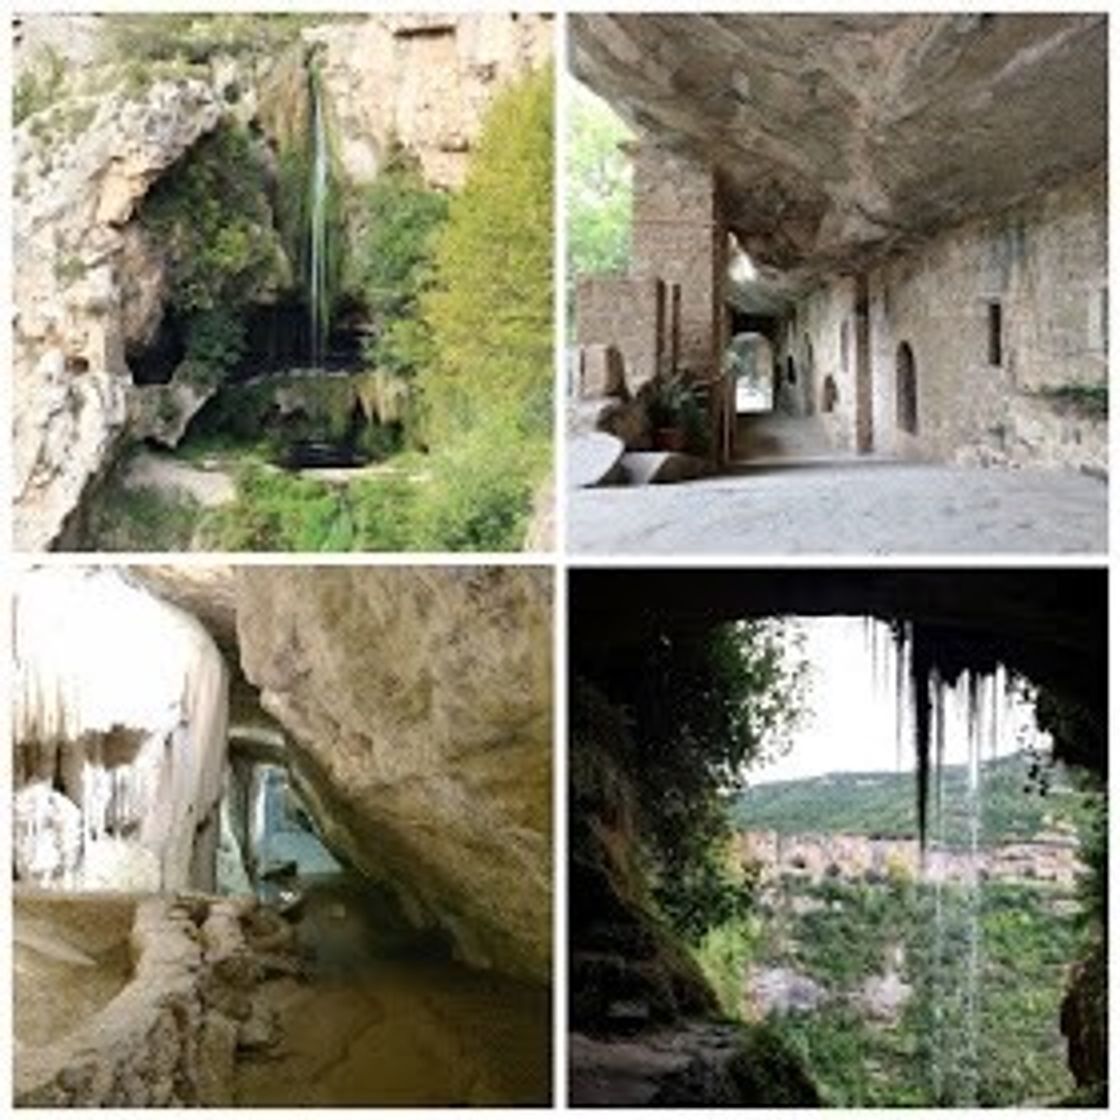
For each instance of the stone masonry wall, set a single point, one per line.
(626, 313)
(1045, 263)
(679, 237)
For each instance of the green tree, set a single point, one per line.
(213, 220)
(490, 308)
(392, 261)
(705, 706)
(599, 185)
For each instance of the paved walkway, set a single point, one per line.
(861, 508)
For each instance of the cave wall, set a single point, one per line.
(1045, 263)
(418, 706)
(120, 706)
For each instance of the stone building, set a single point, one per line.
(910, 208)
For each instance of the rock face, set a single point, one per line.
(423, 80)
(85, 285)
(170, 1036)
(119, 758)
(695, 1064)
(842, 134)
(419, 706)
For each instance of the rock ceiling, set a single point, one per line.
(840, 137)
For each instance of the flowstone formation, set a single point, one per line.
(294, 797)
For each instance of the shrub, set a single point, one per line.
(490, 308)
(211, 214)
(391, 264)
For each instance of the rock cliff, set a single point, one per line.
(86, 284)
(418, 702)
(424, 81)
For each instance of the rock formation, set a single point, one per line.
(120, 736)
(85, 286)
(842, 134)
(413, 707)
(423, 81)
(418, 704)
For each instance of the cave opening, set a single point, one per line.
(891, 873)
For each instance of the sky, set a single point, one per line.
(850, 722)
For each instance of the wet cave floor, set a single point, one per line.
(406, 1032)
(374, 1017)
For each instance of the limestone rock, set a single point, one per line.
(839, 136)
(425, 80)
(419, 706)
(164, 1039)
(86, 284)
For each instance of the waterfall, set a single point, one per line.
(318, 296)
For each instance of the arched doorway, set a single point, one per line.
(906, 389)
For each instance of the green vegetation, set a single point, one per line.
(1014, 806)
(140, 519)
(924, 1058)
(214, 219)
(196, 38)
(490, 304)
(391, 264)
(1084, 400)
(599, 188)
(39, 86)
(841, 933)
(704, 706)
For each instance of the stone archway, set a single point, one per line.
(906, 389)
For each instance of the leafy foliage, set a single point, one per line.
(213, 218)
(490, 307)
(704, 706)
(599, 188)
(392, 262)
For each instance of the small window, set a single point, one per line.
(844, 329)
(995, 333)
(828, 394)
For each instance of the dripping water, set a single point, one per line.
(318, 307)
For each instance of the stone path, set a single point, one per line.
(862, 507)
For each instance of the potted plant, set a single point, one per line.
(669, 409)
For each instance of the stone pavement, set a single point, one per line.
(858, 508)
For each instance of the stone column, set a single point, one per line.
(680, 238)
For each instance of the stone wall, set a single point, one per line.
(629, 314)
(1045, 264)
(678, 236)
